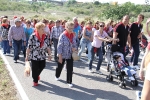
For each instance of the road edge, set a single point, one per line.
(14, 78)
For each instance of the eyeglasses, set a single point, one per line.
(101, 25)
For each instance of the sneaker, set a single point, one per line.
(15, 61)
(131, 78)
(99, 72)
(70, 85)
(137, 67)
(138, 95)
(57, 79)
(35, 84)
(90, 70)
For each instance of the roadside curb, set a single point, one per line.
(14, 78)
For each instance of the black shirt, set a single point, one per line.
(135, 31)
(123, 32)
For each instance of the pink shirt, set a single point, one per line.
(96, 42)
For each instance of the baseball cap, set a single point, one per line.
(57, 21)
(17, 20)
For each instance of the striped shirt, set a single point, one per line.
(16, 33)
(56, 31)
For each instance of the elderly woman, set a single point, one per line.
(86, 39)
(4, 35)
(66, 46)
(38, 46)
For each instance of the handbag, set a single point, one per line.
(75, 56)
(27, 69)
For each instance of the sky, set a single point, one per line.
(119, 1)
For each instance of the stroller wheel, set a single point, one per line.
(134, 83)
(119, 77)
(109, 78)
(122, 85)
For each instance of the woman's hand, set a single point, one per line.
(109, 40)
(74, 50)
(60, 59)
(26, 59)
(141, 75)
(49, 58)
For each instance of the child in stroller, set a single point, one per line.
(120, 68)
(123, 66)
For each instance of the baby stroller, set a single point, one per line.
(143, 43)
(115, 70)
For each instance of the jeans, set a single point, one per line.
(78, 42)
(6, 47)
(123, 51)
(103, 48)
(69, 65)
(55, 41)
(37, 67)
(135, 55)
(100, 54)
(83, 45)
(24, 48)
(17, 48)
(127, 70)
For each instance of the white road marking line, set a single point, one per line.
(140, 85)
(14, 78)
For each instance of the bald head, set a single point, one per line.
(125, 20)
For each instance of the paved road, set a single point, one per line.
(87, 86)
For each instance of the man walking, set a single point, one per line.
(121, 31)
(136, 33)
(77, 30)
(15, 36)
(55, 33)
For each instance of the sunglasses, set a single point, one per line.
(101, 25)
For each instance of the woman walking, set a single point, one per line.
(98, 38)
(38, 46)
(4, 35)
(66, 46)
(86, 39)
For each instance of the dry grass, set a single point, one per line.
(7, 89)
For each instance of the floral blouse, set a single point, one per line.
(65, 46)
(37, 53)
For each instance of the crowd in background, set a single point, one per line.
(36, 37)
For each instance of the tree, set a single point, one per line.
(117, 12)
(96, 3)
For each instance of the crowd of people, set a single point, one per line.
(36, 37)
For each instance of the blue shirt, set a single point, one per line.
(28, 32)
(77, 30)
(88, 34)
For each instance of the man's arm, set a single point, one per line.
(129, 41)
(115, 34)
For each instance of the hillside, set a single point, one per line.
(67, 10)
